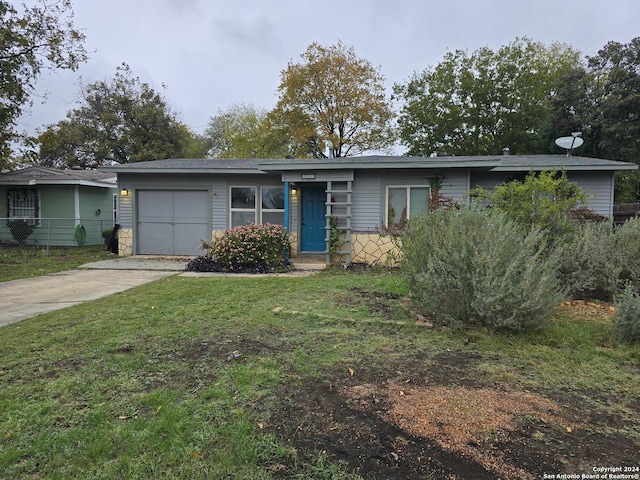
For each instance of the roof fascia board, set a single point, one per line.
(186, 170)
(539, 168)
(32, 183)
(374, 165)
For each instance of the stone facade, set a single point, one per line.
(125, 242)
(370, 248)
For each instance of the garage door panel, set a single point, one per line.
(186, 205)
(188, 238)
(172, 222)
(154, 238)
(155, 206)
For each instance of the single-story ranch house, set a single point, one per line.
(168, 206)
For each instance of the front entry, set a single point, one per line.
(313, 221)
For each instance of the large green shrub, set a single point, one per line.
(589, 265)
(543, 200)
(598, 259)
(626, 321)
(250, 248)
(628, 252)
(469, 267)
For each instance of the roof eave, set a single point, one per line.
(186, 170)
(373, 165)
(538, 168)
(40, 182)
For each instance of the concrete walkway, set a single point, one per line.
(28, 297)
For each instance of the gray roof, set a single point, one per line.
(53, 176)
(496, 163)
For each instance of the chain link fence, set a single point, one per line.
(44, 233)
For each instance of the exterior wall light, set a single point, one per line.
(294, 191)
(124, 192)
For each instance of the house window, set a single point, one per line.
(404, 201)
(272, 207)
(24, 204)
(115, 208)
(243, 206)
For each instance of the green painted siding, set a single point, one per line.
(57, 214)
(56, 201)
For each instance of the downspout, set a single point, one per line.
(287, 199)
(613, 189)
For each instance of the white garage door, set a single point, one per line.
(172, 222)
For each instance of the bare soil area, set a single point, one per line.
(436, 421)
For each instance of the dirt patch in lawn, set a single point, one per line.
(442, 419)
(393, 429)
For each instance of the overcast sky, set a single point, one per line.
(212, 53)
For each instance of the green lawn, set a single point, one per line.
(30, 262)
(186, 377)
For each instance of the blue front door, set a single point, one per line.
(313, 221)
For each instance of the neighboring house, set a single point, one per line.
(168, 206)
(54, 203)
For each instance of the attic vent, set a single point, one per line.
(505, 151)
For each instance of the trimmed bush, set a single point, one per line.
(20, 230)
(469, 267)
(250, 248)
(626, 321)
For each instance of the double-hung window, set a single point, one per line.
(24, 204)
(247, 207)
(405, 201)
(243, 206)
(272, 207)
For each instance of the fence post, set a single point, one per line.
(48, 235)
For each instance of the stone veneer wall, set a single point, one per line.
(371, 248)
(125, 242)
(366, 247)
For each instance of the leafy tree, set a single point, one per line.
(119, 121)
(484, 102)
(542, 201)
(616, 113)
(572, 109)
(616, 69)
(32, 39)
(333, 98)
(244, 131)
(233, 133)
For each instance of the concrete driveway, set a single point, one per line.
(26, 298)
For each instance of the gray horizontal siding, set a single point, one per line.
(366, 202)
(217, 184)
(598, 187)
(370, 189)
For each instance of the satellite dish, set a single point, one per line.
(569, 143)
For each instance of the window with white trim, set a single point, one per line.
(404, 201)
(272, 206)
(245, 208)
(24, 204)
(115, 208)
